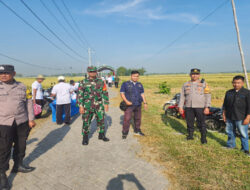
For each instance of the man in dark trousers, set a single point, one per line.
(16, 119)
(132, 92)
(236, 113)
(196, 98)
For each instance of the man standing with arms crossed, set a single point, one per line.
(16, 119)
(93, 100)
(196, 97)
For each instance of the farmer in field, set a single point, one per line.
(132, 93)
(236, 113)
(93, 100)
(196, 98)
(37, 92)
(62, 91)
(16, 119)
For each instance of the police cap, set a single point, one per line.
(195, 71)
(7, 69)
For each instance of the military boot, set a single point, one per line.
(102, 137)
(20, 167)
(85, 140)
(4, 184)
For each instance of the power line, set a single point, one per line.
(27, 63)
(188, 30)
(59, 23)
(66, 20)
(50, 30)
(76, 25)
(33, 28)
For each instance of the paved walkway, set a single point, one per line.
(62, 163)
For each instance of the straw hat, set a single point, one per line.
(40, 77)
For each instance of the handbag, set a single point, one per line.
(123, 105)
(37, 109)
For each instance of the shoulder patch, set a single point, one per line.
(207, 90)
(28, 94)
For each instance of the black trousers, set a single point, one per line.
(9, 135)
(41, 103)
(59, 113)
(191, 114)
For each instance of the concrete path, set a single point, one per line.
(62, 163)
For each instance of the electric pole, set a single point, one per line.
(90, 59)
(239, 44)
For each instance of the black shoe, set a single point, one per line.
(67, 123)
(138, 132)
(102, 137)
(204, 142)
(124, 135)
(247, 153)
(189, 137)
(85, 140)
(22, 168)
(4, 184)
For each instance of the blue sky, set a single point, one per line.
(127, 33)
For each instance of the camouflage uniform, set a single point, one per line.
(92, 95)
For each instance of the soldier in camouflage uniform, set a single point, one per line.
(93, 100)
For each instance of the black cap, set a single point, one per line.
(195, 71)
(7, 69)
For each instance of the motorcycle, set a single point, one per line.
(47, 99)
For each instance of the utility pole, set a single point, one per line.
(239, 44)
(90, 59)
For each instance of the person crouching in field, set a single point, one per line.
(62, 91)
(236, 113)
(132, 93)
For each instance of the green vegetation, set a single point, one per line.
(188, 164)
(122, 71)
(164, 88)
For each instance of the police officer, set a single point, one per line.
(196, 98)
(93, 100)
(16, 119)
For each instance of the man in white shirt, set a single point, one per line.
(110, 81)
(37, 92)
(62, 91)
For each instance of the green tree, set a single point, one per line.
(121, 71)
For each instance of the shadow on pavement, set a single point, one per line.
(117, 183)
(48, 142)
(93, 125)
(179, 127)
(131, 122)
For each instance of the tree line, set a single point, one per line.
(123, 71)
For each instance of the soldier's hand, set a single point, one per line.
(129, 103)
(206, 111)
(32, 124)
(106, 108)
(181, 111)
(146, 106)
(81, 110)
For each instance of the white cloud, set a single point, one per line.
(138, 10)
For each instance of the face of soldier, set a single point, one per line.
(92, 74)
(7, 77)
(195, 77)
(238, 84)
(135, 77)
